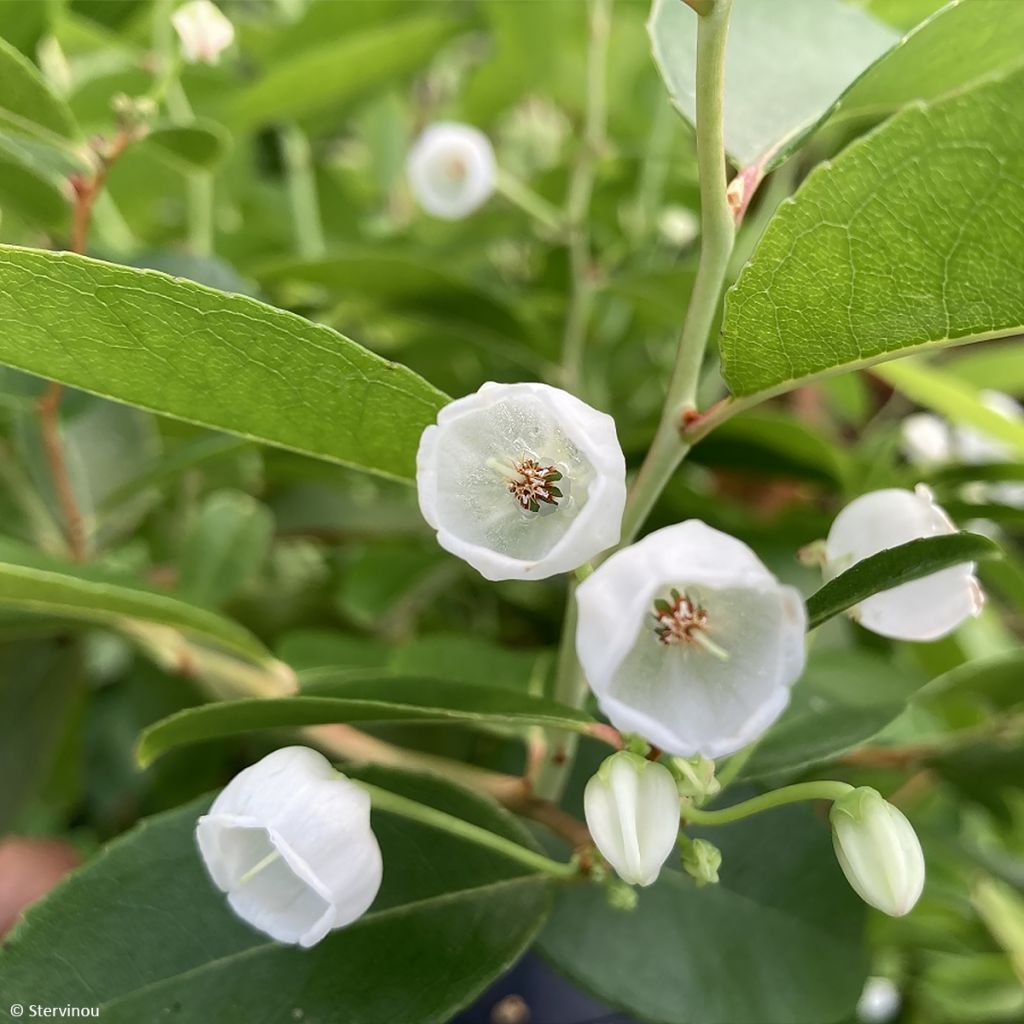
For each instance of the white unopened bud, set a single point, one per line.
(523, 481)
(289, 841)
(924, 609)
(451, 169)
(632, 811)
(203, 30)
(878, 851)
(688, 640)
(879, 1002)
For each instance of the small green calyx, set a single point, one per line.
(856, 804)
(701, 860)
(620, 895)
(695, 777)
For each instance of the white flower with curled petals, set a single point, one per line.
(687, 639)
(925, 609)
(203, 30)
(452, 169)
(523, 481)
(632, 810)
(878, 850)
(289, 841)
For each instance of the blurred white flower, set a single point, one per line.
(678, 226)
(924, 609)
(451, 169)
(926, 439)
(632, 810)
(879, 1002)
(523, 481)
(689, 640)
(878, 850)
(203, 30)
(289, 841)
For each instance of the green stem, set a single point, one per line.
(734, 765)
(392, 803)
(776, 798)
(302, 191)
(718, 233)
(581, 187)
(521, 195)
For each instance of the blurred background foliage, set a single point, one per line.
(330, 567)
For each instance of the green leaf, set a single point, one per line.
(332, 696)
(844, 698)
(196, 146)
(37, 681)
(906, 241)
(32, 583)
(449, 918)
(778, 941)
(998, 367)
(33, 195)
(785, 65)
(894, 566)
(341, 70)
(220, 360)
(225, 547)
(26, 100)
(959, 402)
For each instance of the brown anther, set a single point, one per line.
(677, 621)
(534, 484)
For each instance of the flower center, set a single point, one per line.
(532, 482)
(684, 621)
(456, 169)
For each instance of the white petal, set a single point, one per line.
(451, 169)
(926, 439)
(203, 30)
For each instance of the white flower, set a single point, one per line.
(924, 609)
(879, 1002)
(926, 439)
(632, 811)
(451, 169)
(688, 640)
(289, 841)
(878, 851)
(203, 30)
(523, 481)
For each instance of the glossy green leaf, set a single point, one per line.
(220, 360)
(906, 241)
(27, 102)
(959, 402)
(34, 196)
(333, 696)
(894, 566)
(778, 941)
(785, 65)
(48, 587)
(196, 146)
(843, 699)
(449, 918)
(341, 69)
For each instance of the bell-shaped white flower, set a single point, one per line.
(632, 810)
(289, 841)
(452, 169)
(689, 640)
(523, 481)
(203, 30)
(878, 850)
(924, 609)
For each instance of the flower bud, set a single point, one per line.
(701, 861)
(451, 169)
(924, 609)
(688, 640)
(289, 841)
(878, 851)
(632, 811)
(523, 481)
(203, 30)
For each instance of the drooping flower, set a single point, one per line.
(203, 30)
(924, 609)
(289, 841)
(523, 481)
(878, 850)
(689, 640)
(632, 810)
(452, 169)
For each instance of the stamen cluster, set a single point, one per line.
(679, 620)
(533, 484)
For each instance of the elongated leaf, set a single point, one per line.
(26, 101)
(785, 65)
(998, 366)
(195, 146)
(220, 360)
(47, 587)
(790, 923)
(906, 241)
(449, 917)
(893, 566)
(378, 698)
(342, 69)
